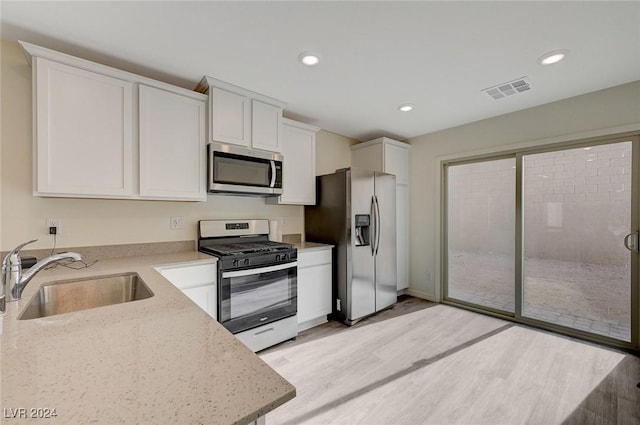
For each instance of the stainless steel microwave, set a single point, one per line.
(241, 171)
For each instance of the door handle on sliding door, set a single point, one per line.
(629, 244)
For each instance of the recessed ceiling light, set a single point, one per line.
(309, 59)
(552, 57)
(406, 107)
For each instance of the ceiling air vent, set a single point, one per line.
(507, 89)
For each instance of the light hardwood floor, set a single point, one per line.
(425, 363)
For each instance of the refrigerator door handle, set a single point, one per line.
(377, 224)
(374, 224)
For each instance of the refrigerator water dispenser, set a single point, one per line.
(362, 229)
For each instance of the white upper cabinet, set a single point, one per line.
(83, 132)
(241, 117)
(384, 155)
(396, 161)
(299, 164)
(368, 156)
(100, 132)
(390, 156)
(230, 120)
(172, 140)
(266, 126)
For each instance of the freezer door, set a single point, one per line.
(385, 249)
(361, 289)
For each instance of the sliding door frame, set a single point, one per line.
(445, 233)
(517, 317)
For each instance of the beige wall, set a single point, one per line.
(86, 222)
(333, 152)
(564, 120)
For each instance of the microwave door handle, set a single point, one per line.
(273, 174)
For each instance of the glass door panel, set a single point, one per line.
(480, 240)
(577, 208)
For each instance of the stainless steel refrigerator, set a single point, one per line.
(356, 212)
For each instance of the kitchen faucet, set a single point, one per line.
(16, 281)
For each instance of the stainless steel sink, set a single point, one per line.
(83, 294)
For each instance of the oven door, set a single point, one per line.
(254, 297)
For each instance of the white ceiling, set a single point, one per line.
(375, 55)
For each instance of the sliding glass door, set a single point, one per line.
(481, 233)
(577, 209)
(541, 236)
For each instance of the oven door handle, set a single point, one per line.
(250, 272)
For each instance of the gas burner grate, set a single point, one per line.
(246, 248)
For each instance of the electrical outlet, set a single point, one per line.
(177, 223)
(338, 306)
(53, 226)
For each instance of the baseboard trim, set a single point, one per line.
(420, 294)
(312, 323)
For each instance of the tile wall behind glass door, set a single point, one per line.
(576, 213)
(481, 233)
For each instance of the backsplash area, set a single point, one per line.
(90, 253)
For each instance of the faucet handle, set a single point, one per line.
(15, 251)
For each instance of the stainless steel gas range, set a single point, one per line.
(257, 280)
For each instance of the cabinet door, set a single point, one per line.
(230, 117)
(84, 133)
(205, 297)
(396, 161)
(299, 173)
(369, 157)
(184, 276)
(314, 292)
(172, 145)
(402, 229)
(266, 126)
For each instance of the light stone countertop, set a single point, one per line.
(311, 246)
(161, 360)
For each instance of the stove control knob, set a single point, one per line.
(246, 262)
(277, 257)
(235, 263)
(285, 257)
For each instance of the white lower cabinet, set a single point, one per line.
(260, 421)
(205, 297)
(197, 280)
(314, 287)
(402, 235)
